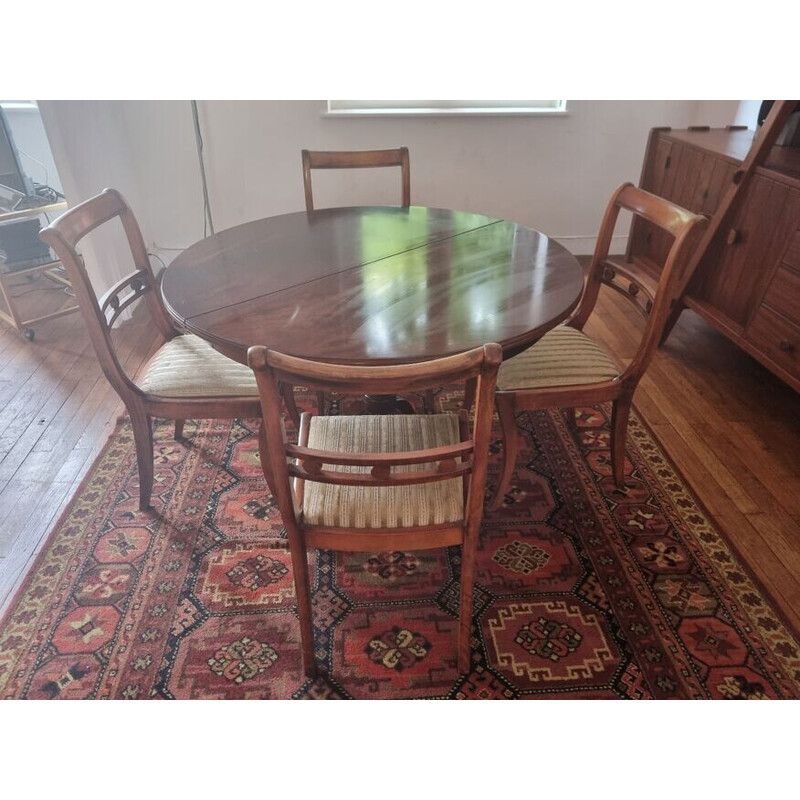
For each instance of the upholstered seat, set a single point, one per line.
(188, 366)
(562, 357)
(384, 506)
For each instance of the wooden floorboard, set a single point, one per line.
(729, 425)
(732, 429)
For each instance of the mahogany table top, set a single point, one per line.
(372, 285)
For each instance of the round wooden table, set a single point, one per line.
(372, 285)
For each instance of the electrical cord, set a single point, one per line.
(161, 260)
(208, 222)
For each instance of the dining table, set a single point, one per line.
(372, 285)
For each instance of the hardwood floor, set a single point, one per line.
(732, 428)
(56, 412)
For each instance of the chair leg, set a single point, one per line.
(264, 458)
(179, 428)
(302, 585)
(291, 407)
(508, 423)
(321, 403)
(429, 403)
(469, 393)
(468, 551)
(620, 411)
(143, 438)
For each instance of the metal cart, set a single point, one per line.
(9, 278)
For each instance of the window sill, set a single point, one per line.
(441, 112)
(18, 105)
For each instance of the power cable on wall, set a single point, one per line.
(208, 222)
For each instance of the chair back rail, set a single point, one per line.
(370, 380)
(356, 159)
(63, 235)
(402, 458)
(381, 475)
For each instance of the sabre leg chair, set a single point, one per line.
(359, 159)
(378, 483)
(186, 378)
(565, 368)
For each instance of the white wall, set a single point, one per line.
(552, 173)
(91, 149)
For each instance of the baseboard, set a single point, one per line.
(584, 245)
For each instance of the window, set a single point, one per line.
(18, 105)
(354, 108)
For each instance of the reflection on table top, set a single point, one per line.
(372, 284)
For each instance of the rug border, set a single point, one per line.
(779, 612)
(20, 590)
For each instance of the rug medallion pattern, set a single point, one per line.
(581, 591)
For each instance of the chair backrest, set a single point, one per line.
(356, 159)
(64, 234)
(469, 458)
(654, 295)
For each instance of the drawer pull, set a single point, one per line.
(734, 236)
(785, 345)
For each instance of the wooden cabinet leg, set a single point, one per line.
(670, 323)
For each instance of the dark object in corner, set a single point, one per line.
(766, 107)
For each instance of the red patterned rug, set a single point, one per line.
(582, 591)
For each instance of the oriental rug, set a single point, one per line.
(582, 590)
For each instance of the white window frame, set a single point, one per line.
(19, 105)
(424, 108)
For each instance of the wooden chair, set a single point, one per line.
(393, 482)
(356, 159)
(186, 378)
(565, 368)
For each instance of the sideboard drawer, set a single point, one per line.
(792, 254)
(777, 338)
(783, 294)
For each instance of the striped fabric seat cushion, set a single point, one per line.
(187, 366)
(383, 506)
(562, 357)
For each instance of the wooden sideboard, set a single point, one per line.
(746, 272)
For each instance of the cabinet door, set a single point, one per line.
(719, 181)
(740, 267)
(659, 160)
(685, 175)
